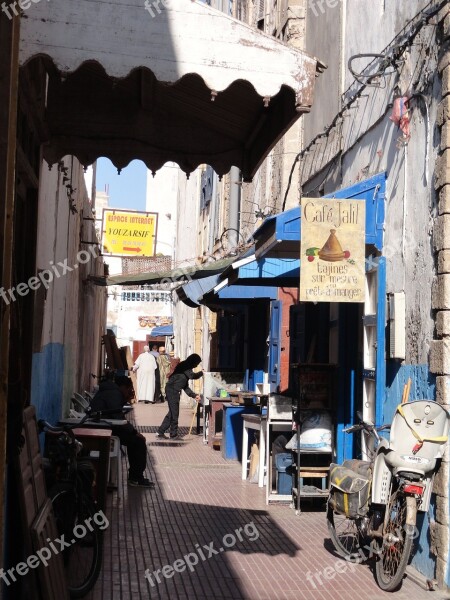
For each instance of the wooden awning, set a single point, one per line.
(177, 82)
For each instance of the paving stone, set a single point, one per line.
(199, 498)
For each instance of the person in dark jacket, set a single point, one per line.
(111, 397)
(157, 395)
(177, 383)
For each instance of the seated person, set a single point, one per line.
(114, 395)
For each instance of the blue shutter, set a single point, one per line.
(274, 342)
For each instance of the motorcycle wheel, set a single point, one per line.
(345, 535)
(397, 544)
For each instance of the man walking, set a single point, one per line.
(145, 366)
(163, 361)
(155, 352)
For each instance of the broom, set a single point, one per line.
(406, 390)
(193, 417)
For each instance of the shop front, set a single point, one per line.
(337, 348)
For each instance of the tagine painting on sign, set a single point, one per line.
(331, 251)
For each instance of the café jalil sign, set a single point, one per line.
(332, 267)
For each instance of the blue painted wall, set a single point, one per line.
(47, 382)
(423, 560)
(423, 386)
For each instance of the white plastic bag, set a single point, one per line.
(315, 432)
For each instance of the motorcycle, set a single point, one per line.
(372, 504)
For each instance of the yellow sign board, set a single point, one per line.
(129, 233)
(332, 256)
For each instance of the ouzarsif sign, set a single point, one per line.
(129, 232)
(332, 256)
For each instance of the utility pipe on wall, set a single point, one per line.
(235, 201)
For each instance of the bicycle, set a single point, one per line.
(69, 484)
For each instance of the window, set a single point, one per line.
(260, 14)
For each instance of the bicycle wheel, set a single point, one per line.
(74, 520)
(397, 545)
(345, 535)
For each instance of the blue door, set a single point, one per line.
(274, 342)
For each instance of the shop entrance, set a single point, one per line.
(349, 335)
(326, 342)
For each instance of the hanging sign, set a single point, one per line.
(129, 233)
(332, 266)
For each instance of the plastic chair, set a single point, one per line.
(74, 414)
(77, 407)
(115, 465)
(80, 402)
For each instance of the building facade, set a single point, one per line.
(377, 132)
(381, 110)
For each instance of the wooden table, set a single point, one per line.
(99, 440)
(257, 423)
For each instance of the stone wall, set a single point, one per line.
(440, 349)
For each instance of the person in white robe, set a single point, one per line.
(145, 367)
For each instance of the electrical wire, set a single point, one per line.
(423, 17)
(319, 185)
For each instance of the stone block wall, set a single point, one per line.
(440, 348)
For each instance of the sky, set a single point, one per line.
(126, 190)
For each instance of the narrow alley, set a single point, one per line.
(198, 504)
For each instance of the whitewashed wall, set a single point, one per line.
(162, 192)
(70, 315)
(186, 252)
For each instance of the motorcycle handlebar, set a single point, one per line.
(367, 426)
(352, 429)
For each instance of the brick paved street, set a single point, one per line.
(199, 499)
